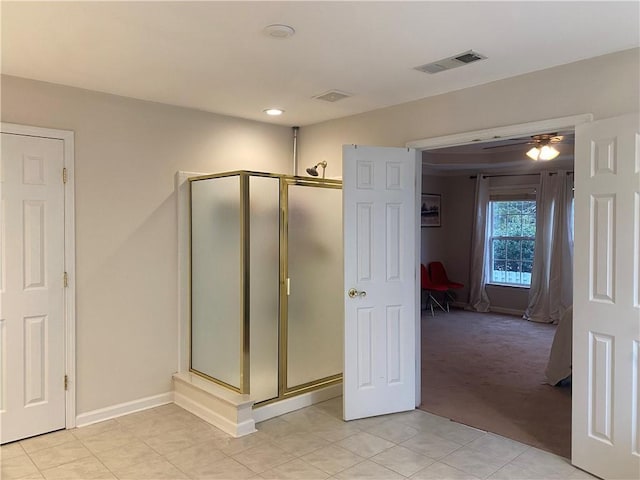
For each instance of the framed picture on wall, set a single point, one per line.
(430, 210)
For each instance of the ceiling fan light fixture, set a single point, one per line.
(548, 153)
(534, 153)
(543, 150)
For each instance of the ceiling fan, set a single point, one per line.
(542, 146)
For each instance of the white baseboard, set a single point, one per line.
(493, 308)
(508, 311)
(276, 409)
(120, 409)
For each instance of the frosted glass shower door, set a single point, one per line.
(216, 284)
(314, 324)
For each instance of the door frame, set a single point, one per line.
(489, 134)
(508, 131)
(67, 138)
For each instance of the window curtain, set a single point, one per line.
(478, 298)
(551, 291)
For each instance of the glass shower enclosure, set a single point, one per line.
(266, 283)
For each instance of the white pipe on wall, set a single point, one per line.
(295, 150)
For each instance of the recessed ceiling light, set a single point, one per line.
(279, 31)
(274, 112)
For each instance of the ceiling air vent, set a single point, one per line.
(459, 60)
(332, 96)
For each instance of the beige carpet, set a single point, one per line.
(487, 371)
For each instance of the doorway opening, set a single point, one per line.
(487, 369)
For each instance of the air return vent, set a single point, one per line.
(459, 60)
(332, 96)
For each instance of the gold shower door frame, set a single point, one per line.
(285, 181)
(283, 389)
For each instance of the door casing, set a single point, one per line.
(491, 134)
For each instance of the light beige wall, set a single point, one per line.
(433, 239)
(605, 86)
(127, 153)
(451, 242)
(458, 220)
(514, 299)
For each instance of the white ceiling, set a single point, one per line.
(213, 56)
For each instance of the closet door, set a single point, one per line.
(32, 329)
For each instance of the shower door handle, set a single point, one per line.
(353, 293)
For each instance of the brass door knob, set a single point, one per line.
(353, 293)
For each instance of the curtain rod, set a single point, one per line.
(516, 175)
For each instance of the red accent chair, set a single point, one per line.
(429, 287)
(439, 276)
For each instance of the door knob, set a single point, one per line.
(353, 293)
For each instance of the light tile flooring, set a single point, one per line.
(313, 443)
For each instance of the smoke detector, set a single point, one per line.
(448, 63)
(279, 31)
(332, 96)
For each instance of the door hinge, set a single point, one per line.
(65, 176)
(66, 382)
(65, 280)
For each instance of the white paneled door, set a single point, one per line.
(606, 326)
(32, 390)
(380, 219)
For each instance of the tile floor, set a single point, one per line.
(313, 443)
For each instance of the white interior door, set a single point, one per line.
(380, 218)
(32, 392)
(606, 326)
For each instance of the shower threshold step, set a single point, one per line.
(227, 410)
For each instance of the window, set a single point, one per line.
(513, 231)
